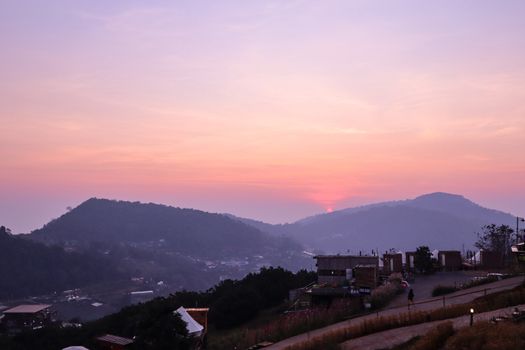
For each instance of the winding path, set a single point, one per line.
(460, 297)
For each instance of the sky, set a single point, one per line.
(273, 110)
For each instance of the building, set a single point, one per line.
(410, 258)
(200, 315)
(449, 260)
(337, 269)
(491, 260)
(518, 250)
(196, 328)
(392, 262)
(27, 317)
(141, 296)
(113, 342)
(366, 276)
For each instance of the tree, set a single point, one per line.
(4, 231)
(423, 260)
(495, 239)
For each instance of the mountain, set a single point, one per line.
(439, 220)
(30, 268)
(186, 248)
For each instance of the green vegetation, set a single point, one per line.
(30, 268)
(187, 231)
(486, 303)
(496, 239)
(155, 327)
(382, 295)
(479, 282)
(423, 260)
(442, 290)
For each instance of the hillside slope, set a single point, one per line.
(29, 268)
(439, 220)
(191, 249)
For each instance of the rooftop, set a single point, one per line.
(27, 309)
(198, 309)
(109, 338)
(343, 256)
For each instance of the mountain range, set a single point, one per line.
(183, 248)
(191, 249)
(438, 220)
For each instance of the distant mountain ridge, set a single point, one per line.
(439, 220)
(186, 248)
(188, 230)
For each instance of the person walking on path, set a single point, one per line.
(410, 297)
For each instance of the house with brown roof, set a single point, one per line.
(114, 342)
(27, 317)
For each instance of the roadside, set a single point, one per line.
(393, 337)
(463, 296)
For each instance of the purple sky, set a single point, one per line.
(273, 110)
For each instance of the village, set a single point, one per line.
(341, 279)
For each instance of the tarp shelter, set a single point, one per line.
(194, 328)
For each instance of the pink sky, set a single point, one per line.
(271, 109)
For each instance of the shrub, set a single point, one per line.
(382, 295)
(442, 290)
(481, 304)
(479, 282)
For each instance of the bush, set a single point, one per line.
(481, 304)
(479, 282)
(442, 290)
(382, 295)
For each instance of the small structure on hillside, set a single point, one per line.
(450, 260)
(114, 342)
(518, 250)
(141, 296)
(365, 276)
(491, 260)
(392, 262)
(196, 330)
(27, 317)
(336, 269)
(200, 314)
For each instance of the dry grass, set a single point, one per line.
(436, 338)
(482, 304)
(486, 336)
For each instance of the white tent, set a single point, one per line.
(194, 328)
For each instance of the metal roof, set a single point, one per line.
(115, 339)
(27, 309)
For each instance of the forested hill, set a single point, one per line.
(30, 268)
(439, 220)
(186, 231)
